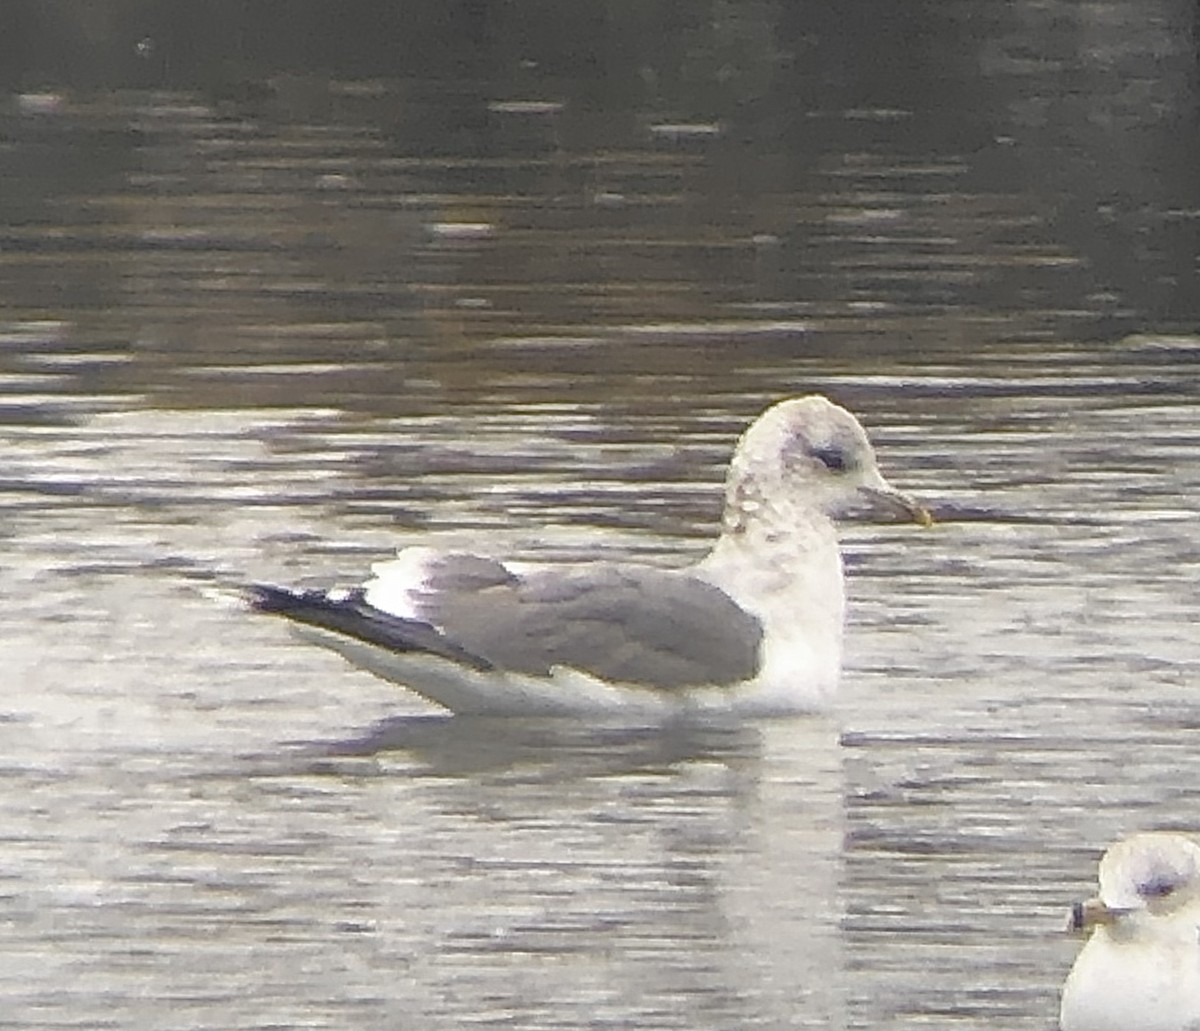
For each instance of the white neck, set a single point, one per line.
(762, 562)
(786, 569)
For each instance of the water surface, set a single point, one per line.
(275, 333)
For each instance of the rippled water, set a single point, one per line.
(239, 345)
(208, 824)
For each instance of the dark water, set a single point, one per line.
(279, 296)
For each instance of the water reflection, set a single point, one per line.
(293, 254)
(475, 744)
(589, 880)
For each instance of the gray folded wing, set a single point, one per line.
(627, 624)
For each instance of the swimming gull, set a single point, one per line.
(754, 627)
(1139, 969)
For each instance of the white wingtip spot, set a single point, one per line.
(397, 584)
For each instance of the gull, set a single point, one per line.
(1139, 969)
(754, 627)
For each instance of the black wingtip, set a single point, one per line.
(269, 598)
(265, 598)
(285, 601)
(347, 613)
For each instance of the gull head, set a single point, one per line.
(807, 457)
(1146, 876)
(1139, 969)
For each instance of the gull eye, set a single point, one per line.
(1156, 889)
(833, 458)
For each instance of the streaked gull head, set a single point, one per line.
(803, 457)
